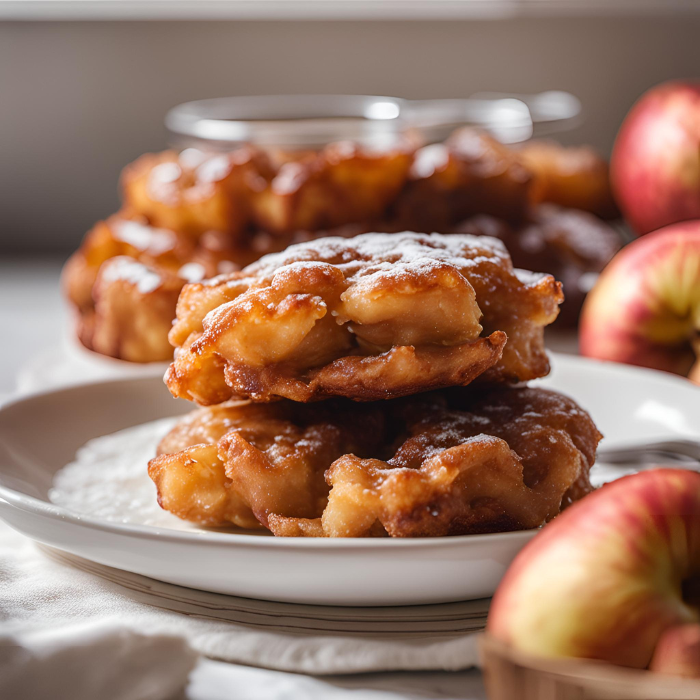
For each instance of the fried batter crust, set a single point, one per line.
(269, 458)
(193, 485)
(121, 236)
(446, 463)
(132, 305)
(376, 316)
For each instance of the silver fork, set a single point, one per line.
(678, 450)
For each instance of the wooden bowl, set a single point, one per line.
(510, 674)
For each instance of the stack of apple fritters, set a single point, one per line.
(372, 386)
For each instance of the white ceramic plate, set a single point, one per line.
(41, 433)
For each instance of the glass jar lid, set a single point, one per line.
(298, 122)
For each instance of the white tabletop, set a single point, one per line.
(33, 318)
(32, 312)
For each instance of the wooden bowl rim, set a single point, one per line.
(593, 674)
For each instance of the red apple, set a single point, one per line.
(607, 577)
(655, 165)
(645, 308)
(677, 652)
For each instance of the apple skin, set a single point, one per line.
(655, 164)
(603, 579)
(645, 307)
(677, 652)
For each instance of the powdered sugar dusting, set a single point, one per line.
(192, 272)
(148, 239)
(128, 270)
(369, 253)
(165, 173)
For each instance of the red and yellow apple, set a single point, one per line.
(645, 308)
(609, 575)
(655, 165)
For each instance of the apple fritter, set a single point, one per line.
(471, 173)
(509, 461)
(238, 462)
(575, 177)
(117, 316)
(445, 463)
(341, 184)
(194, 192)
(372, 317)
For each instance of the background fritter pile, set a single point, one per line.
(189, 216)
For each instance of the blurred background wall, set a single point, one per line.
(78, 100)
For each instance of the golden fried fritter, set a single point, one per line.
(222, 464)
(575, 177)
(116, 316)
(194, 192)
(509, 461)
(446, 463)
(471, 173)
(506, 463)
(133, 305)
(341, 184)
(372, 317)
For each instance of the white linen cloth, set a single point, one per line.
(89, 660)
(43, 594)
(215, 680)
